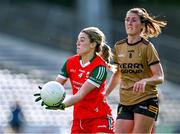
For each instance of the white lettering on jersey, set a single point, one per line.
(96, 109)
(121, 55)
(72, 70)
(80, 75)
(83, 71)
(87, 74)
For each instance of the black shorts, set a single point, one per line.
(148, 107)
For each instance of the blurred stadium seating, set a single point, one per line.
(21, 87)
(22, 69)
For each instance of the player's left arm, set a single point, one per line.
(153, 62)
(157, 78)
(155, 66)
(157, 75)
(96, 78)
(84, 90)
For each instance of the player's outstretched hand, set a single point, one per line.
(61, 106)
(38, 96)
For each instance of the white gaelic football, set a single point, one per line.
(52, 93)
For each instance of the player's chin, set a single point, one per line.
(130, 33)
(78, 52)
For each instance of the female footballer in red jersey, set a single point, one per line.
(139, 71)
(87, 71)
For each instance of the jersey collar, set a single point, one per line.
(86, 64)
(132, 44)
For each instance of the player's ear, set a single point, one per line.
(93, 44)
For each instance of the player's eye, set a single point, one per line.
(134, 20)
(82, 40)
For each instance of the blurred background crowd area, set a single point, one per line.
(37, 36)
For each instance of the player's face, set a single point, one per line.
(83, 44)
(133, 24)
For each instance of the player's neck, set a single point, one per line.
(133, 39)
(87, 57)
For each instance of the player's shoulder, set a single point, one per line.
(74, 57)
(99, 58)
(145, 41)
(122, 41)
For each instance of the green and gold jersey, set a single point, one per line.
(134, 61)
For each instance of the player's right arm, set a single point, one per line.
(115, 78)
(60, 80)
(114, 81)
(63, 75)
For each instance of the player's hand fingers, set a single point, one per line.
(42, 103)
(37, 99)
(62, 106)
(140, 88)
(144, 86)
(51, 108)
(59, 107)
(135, 88)
(37, 94)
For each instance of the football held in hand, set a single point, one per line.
(52, 93)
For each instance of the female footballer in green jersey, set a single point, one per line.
(139, 72)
